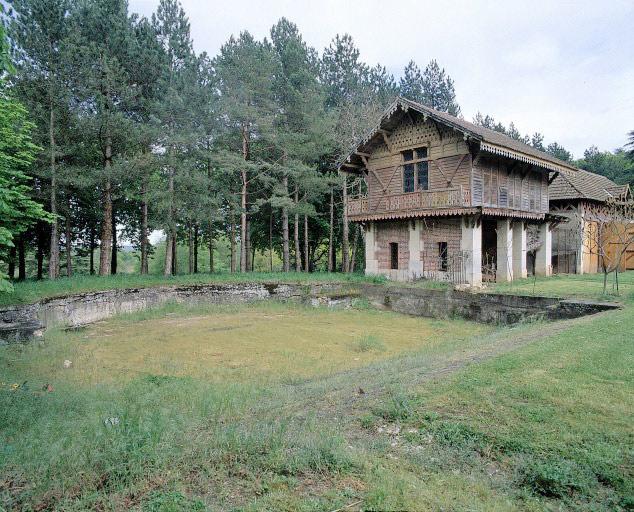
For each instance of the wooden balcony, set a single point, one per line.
(411, 201)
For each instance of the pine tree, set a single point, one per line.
(102, 35)
(438, 90)
(411, 83)
(17, 153)
(303, 130)
(173, 111)
(40, 31)
(246, 71)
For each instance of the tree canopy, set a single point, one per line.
(121, 131)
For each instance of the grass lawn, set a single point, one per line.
(586, 286)
(264, 342)
(280, 407)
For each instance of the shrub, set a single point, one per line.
(396, 407)
(368, 343)
(556, 478)
(171, 501)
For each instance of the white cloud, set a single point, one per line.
(563, 68)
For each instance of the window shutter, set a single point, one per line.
(476, 183)
(504, 197)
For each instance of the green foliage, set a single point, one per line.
(556, 478)
(617, 165)
(368, 343)
(18, 211)
(396, 406)
(171, 501)
(433, 87)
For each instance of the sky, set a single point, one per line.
(563, 68)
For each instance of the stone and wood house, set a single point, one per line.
(441, 198)
(583, 198)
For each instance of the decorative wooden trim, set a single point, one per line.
(516, 155)
(386, 139)
(455, 171)
(552, 178)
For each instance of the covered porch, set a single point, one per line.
(464, 249)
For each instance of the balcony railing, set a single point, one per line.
(421, 200)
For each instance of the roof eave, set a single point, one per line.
(522, 157)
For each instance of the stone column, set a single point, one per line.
(519, 250)
(371, 260)
(543, 257)
(414, 249)
(471, 247)
(504, 261)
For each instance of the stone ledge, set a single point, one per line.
(18, 323)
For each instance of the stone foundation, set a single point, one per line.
(18, 323)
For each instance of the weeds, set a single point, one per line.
(368, 343)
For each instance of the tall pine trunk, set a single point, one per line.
(105, 254)
(298, 256)
(144, 227)
(114, 253)
(40, 251)
(190, 243)
(12, 254)
(195, 248)
(286, 265)
(345, 244)
(53, 261)
(271, 240)
(21, 259)
(92, 251)
(69, 244)
(331, 238)
(247, 244)
(174, 253)
(211, 252)
(169, 242)
(167, 267)
(233, 241)
(306, 254)
(244, 250)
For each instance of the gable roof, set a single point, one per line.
(489, 140)
(586, 185)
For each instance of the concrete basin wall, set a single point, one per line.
(22, 322)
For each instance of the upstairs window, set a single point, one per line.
(408, 178)
(415, 169)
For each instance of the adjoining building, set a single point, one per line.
(584, 199)
(445, 199)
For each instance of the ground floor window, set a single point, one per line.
(394, 256)
(442, 255)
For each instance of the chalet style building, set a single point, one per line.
(442, 198)
(583, 199)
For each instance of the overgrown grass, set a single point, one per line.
(586, 286)
(267, 342)
(547, 426)
(368, 343)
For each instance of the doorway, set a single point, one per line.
(489, 250)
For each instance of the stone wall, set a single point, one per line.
(480, 307)
(25, 321)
